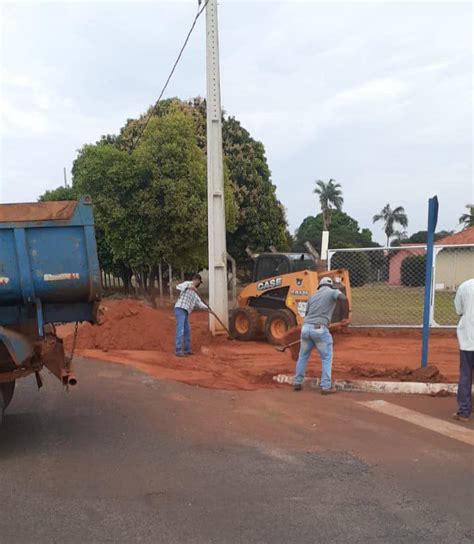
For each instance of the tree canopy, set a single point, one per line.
(60, 193)
(390, 218)
(467, 219)
(421, 236)
(345, 232)
(150, 195)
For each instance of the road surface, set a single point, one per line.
(125, 458)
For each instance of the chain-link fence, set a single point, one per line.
(388, 283)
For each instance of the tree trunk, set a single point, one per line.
(326, 218)
(126, 276)
(139, 279)
(160, 280)
(170, 280)
(151, 285)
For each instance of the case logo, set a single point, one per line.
(269, 284)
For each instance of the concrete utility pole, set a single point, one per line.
(215, 178)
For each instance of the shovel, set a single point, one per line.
(284, 348)
(211, 311)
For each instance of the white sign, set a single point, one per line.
(301, 308)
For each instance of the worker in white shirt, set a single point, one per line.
(188, 301)
(464, 303)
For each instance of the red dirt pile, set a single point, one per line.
(429, 374)
(134, 334)
(130, 325)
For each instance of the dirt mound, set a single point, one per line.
(136, 335)
(428, 374)
(130, 325)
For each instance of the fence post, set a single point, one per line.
(432, 220)
(330, 254)
(433, 322)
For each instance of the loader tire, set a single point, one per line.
(278, 324)
(244, 323)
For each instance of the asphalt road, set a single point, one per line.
(126, 458)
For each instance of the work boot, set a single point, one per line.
(297, 387)
(329, 391)
(187, 353)
(459, 417)
(180, 354)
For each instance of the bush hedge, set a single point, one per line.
(413, 271)
(358, 264)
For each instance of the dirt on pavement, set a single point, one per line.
(134, 334)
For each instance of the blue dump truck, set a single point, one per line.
(49, 274)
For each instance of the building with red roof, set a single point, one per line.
(453, 264)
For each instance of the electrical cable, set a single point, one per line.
(178, 58)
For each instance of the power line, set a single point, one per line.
(198, 14)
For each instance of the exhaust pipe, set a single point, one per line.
(69, 380)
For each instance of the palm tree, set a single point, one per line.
(391, 218)
(467, 219)
(399, 237)
(330, 198)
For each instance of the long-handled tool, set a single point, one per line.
(211, 311)
(284, 348)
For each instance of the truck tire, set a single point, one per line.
(244, 323)
(278, 324)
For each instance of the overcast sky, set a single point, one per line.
(375, 95)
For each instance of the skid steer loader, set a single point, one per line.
(276, 299)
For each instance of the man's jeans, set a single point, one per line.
(465, 383)
(183, 331)
(320, 339)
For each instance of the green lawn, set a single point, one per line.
(383, 304)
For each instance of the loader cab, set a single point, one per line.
(269, 265)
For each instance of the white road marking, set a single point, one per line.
(450, 430)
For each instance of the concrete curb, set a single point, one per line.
(366, 386)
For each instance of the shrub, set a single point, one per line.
(413, 271)
(358, 264)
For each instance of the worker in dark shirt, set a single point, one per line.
(315, 333)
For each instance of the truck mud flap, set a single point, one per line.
(20, 347)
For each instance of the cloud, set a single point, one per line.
(375, 94)
(29, 105)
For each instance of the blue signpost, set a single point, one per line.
(432, 220)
